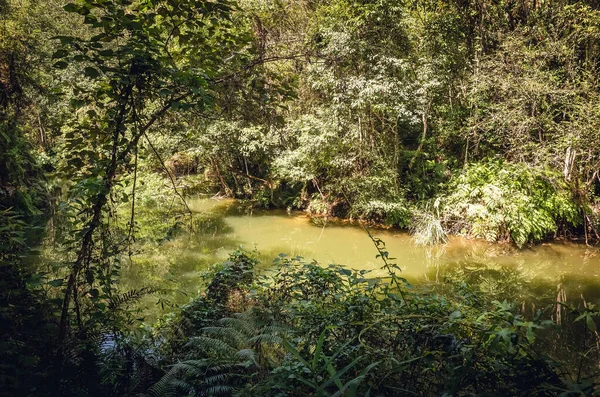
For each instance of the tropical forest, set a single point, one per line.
(328, 198)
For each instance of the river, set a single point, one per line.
(535, 278)
(177, 265)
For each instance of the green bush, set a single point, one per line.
(508, 201)
(330, 331)
(391, 213)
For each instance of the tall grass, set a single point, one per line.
(427, 226)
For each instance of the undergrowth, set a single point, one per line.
(331, 331)
(508, 201)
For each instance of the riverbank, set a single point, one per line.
(467, 276)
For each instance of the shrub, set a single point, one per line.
(427, 226)
(508, 201)
(322, 331)
(392, 213)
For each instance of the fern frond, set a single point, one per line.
(221, 367)
(241, 324)
(129, 296)
(192, 368)
(268, 339)
(214, 380)
(274, 329)
(248, 355)
(228, 334)
(207, 344)
(166, 386)
(220, 390)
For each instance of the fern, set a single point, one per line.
(502, 200)
(129, 296)
(234, 349)
(170, 386)
(219, 390)
(210, 345)
(225, 333)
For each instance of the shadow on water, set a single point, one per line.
(174, 266)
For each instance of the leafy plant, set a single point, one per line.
(507, 201)
(332, 332)
(427, 226)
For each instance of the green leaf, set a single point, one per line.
(91, 72)
(349, 389)
(71, 7)
(90, 20)
(77, 103)
(35, 280)
(590, 323)
(98, 37)
(345, 272)
(335, 376)
(60, 65)
(106, 53)
(291, 349)
(64, 39)
(56, 283)
(60, 54)
(319, 349)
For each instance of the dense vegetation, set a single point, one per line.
(477, 118)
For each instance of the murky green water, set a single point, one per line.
(177, 265)
(535, 278)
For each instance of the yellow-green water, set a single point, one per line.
(177, 266)
(548, 279)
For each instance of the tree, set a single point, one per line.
(142, 61)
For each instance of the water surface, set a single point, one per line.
(548, 280)
(178, 264)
